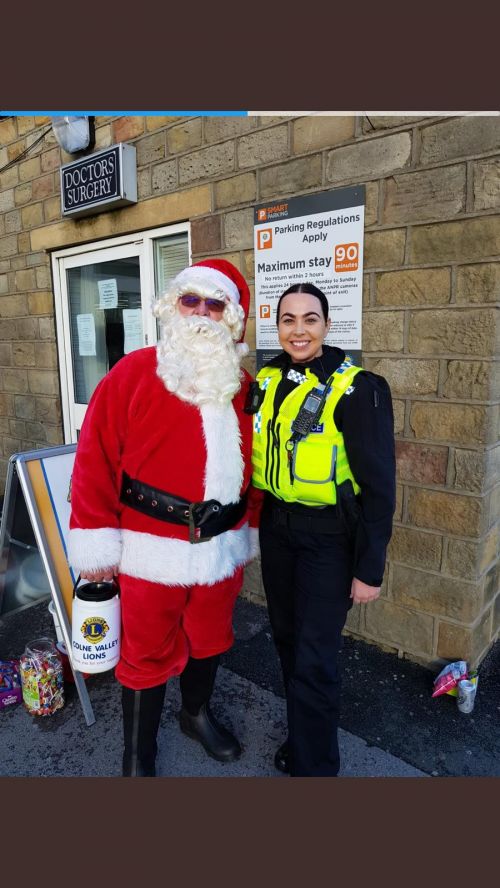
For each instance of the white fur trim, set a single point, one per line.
(224, 466)
(198, 274)
(94, 550)
(180, 563)
(254, 543)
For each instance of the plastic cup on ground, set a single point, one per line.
(466, 693)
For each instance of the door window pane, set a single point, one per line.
(105, 319)
(171, 256)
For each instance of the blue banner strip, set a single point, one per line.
(120, 113)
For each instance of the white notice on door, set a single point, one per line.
(132, 328)
(86, 335)
(108, 293)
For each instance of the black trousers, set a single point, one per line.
(307, 580)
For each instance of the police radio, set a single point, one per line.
(309, 413)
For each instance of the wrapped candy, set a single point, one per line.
(9, 674)
(10, 683)
(42, 677)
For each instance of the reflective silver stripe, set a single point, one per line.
(330, 476)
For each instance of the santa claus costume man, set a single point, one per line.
(160, 499)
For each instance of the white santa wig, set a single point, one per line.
(198, 357)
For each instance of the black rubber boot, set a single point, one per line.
(141, 719)
(196, 719)
(282, 757)
(216, 740)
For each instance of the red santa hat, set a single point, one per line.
(220, 275)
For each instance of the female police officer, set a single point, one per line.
(324, 455)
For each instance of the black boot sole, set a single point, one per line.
(142, 769)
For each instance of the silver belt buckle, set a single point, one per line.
(195, 532)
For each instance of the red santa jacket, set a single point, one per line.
(134, 424)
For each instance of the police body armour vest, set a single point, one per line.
(317, 462)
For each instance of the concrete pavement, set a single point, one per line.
(390, 725)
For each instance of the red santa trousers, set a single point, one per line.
(162, 626)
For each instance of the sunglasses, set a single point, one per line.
(190, 300)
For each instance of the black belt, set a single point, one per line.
(297, 521)
(205, 519)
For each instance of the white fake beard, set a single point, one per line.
(198, 360)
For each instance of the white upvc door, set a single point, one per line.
(103, 298)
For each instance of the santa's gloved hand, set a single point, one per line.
(96, 576)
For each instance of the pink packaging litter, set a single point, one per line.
(449, 677)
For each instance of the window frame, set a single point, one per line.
(139, 244)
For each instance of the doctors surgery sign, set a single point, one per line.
(101, 181)
(316, 238)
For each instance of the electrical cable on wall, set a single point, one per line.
(26, 150)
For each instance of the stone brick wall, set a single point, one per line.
(430, 296)
(30, 410)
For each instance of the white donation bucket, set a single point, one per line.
(95, 633)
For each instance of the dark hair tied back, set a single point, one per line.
(305, 288)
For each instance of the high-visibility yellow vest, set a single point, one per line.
(319, 461)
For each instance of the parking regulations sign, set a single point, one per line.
(316, 238)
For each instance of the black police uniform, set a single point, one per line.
(311, 554)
